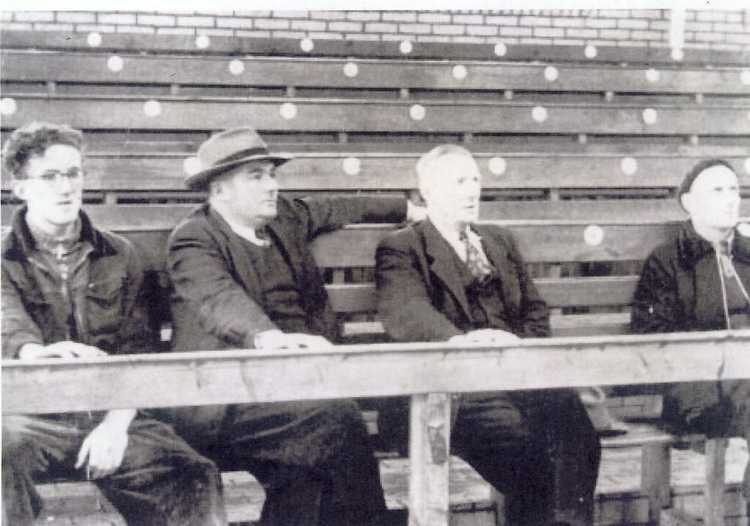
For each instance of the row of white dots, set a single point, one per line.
(459, 71)
(497, 165)
(289, 111)
(307, 44)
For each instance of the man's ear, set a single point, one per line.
(687, 201)
(20, 189)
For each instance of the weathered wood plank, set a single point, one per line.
(377, 116)
(326, 171)
(220, 45)
(379, 73)
(429, 451)
(221, 377)
(713, 511)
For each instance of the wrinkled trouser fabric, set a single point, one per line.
(314, 460)
(538, 448)
(161, 481)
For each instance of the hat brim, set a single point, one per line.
(200, 180)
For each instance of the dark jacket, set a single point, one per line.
(110, 309)
(216, 302)
(665, 300)
(420, 296)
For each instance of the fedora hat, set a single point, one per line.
(228, 149)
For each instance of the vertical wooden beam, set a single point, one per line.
(655, 475)
(713, 507)
(429, 457)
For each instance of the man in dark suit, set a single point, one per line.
(244, 277)
(448, 278)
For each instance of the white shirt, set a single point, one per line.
(457, 244)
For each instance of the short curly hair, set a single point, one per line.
(33, 139)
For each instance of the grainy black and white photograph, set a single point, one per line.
(371, 266)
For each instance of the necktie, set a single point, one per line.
(477, 265)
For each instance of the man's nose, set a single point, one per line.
(270, 183)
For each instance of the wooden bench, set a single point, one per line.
(586, 168)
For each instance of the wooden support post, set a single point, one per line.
(429, 457)
(655, 474)
(713, 507)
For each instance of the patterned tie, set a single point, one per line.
(478, 267)
(725, 258)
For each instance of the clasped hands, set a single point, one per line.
(486, 337)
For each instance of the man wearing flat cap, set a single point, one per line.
(699, 281)
(244, 277)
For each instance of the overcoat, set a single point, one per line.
(217, 300)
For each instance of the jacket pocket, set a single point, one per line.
(104, 306)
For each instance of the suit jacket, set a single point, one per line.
(421, 298)
(216, 302)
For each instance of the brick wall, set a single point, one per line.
(728, 30)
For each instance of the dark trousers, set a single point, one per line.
(538, 448)
(314, 460)
(716, 409)
(161, 481)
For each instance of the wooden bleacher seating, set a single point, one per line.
(592, 168)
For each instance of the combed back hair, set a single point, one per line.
(426, 163)
(33, 139)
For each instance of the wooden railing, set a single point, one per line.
(429, 373)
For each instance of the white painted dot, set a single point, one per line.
(609, 96)
(551, 73)
(628, 165)
(351, 69)
(744, 229)
(459, 72)
(288, 110)
(677, 54)
(539, 113)
(500, 49)
(508, 94)
(8, 106)
(405, 47)
(417, 112)
(351, 166)
(306, 44)
(115, 63)
(94, 39)
(652, 75)
(649, 116)
(202, 41)
(497, 165)
(192, 165)
(590, 51)
(236, 67)
(593, 235)
(699, 98)
(745, 76)
(747, 165)
(152, 108)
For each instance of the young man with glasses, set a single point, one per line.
(68, 291)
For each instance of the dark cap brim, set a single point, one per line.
(200, 180)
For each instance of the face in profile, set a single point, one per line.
(714, 199)
(51, 184)
(249, 193)
(452, 189)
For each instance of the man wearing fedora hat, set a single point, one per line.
(699, 281)
(244, 277)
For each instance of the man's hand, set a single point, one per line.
(486, 337)
(105, 446)
(276, 339)
(64, 349)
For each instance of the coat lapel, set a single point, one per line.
(244, 270)
(440, 257)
